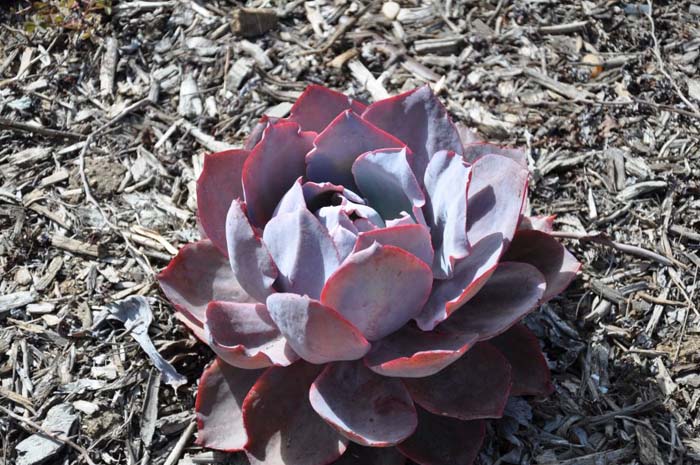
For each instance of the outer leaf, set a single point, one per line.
(545, 253)
(316, 332)
(249, 258)
(531, 376)
(476, 150)
(292, 200)
(469, 276)
(245, 336)
(446, 181)
(418, 118)
(220, 395)
(387, 181)
(411, 353)
(540, 223)
(364, 407)
(475, 386)
(281, 425)
(512, 291)
(272, 167)
(303, 251)
(217, 186)
(256, 133)
(443, 440)
(359, 455)
(496, 197)
(413, 238)
(337, 147)
(318, 106)
(378, 289)
(197, 275)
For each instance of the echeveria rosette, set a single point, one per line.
(364, 276)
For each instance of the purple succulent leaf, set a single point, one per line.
(316, 332)
(364, 407)
(475, 386)
(387, 181)
(282, 426)
(495, 197)
(470, 274)
(412, 353)
(476, 150)
(446, 181)
(550, 257)
(292, 200)
(403, 220)
(337, 147)
(531, 376)
(361, 211)
(360, 455)
(198, 274)
(272, 167)
(544, 223)
(303, 251)
(441, 440)
(379, 289)
(419, 119)
(245, 336)
(220, 395)
(413, 238)
(320, 194)
(318, 106)
(217, 186)
(467, 135)
(256, 133)
(249, 259)
(340, 227)
(512, 291)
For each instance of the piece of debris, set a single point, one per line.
(38, 448)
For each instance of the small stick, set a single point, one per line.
(175, 454)
(626, 248)
(57, 437)
(9, 124)
(342, 29)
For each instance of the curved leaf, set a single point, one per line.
(280, 423)
(476, 150)
(217, 186)
(316, 332)
(378, 289)
(272, 167)
(413, 238)
(250, 260)
(245, 336)
(476, 386)
(366, 408)
(220, 395)
(318, 106)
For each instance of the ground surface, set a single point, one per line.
(605, 97)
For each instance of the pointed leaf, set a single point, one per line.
(366, 408)
(512, 291)
(441, 440)
(198, 274)
(272, 167)
(531, 376)
(217, 186)
(280, 423)
(318, 106)
(385, 178)
(292, 200)
(220, 395)
(550, 257)
(256, 133)
(360, 455)
(542, 223)
(378, 289)
(446, 182)
(340, 227)
(476, 386)
(303, 251)
(469, 275)
(412, 353)
(413, 238)
(250, 260)
(495, 198)
(316, 332)
(337, 147)
(245, 336)
(418, 118)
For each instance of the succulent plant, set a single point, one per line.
(362, 283)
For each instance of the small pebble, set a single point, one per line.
(391, 10)
(23, 277)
